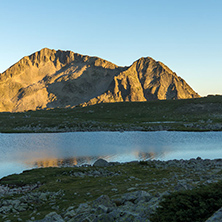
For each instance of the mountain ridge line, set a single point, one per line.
(53, 79)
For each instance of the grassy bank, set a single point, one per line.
(202, 114)
(58, 189)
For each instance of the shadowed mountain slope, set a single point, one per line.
(49, 78)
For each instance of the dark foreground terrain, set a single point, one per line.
(175, 190)
(201, 114)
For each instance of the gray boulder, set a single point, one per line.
(104, 218)
(103, 200)
(136, 196)
(53, 216)
(216, 217)
(101, 163)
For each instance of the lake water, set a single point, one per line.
(24, 151)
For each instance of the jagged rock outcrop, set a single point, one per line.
(50, 78)
(146, 80)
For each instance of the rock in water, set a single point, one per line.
(50, 79)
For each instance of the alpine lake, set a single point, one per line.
(19, 152)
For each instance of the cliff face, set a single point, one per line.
(50, 78)
(146, 80)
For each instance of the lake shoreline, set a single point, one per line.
(119, 187)
(121, 129)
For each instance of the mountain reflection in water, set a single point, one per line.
(78, 161)
(23, 151)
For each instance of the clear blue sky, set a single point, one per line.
(184, 35)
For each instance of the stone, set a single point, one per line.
(118, 201)
(104, 218)
(83, 217)
(103, 200)
(136, 196)
(53, 216)
(70, 214)
(216, 217)
(22, 207)
(82, 208)
(129, 216)
(5, 209)
(128, 206)
(90, 218)
(101, 209)
(15, 203)
(101, 163)
(114, 189)
(131, 188)
(115, 213)
(43, 196)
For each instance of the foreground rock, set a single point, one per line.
(135, 206)
(216, 217)
(137, 203)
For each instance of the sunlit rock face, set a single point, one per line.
(49, 79)
(146, 79)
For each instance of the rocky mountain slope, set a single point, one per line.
(146, 80)
(49, 78)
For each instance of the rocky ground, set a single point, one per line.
(137, 203)
(146, 126)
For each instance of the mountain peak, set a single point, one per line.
(54, 78)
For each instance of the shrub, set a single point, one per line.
(193, 205)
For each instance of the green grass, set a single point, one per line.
(76, 189)
(116, 116)
(139, 176)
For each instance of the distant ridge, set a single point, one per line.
(50, 78)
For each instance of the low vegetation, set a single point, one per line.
(201, 114)
(192, 205)
(192, 188)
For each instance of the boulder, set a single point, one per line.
(101, 163)
(136, 196)
(217, 216)
(53, 216)
(103, 200)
